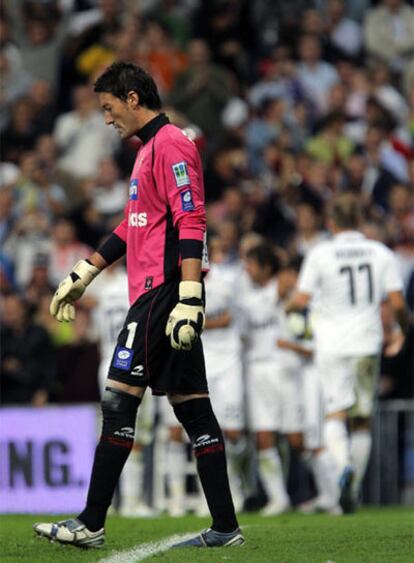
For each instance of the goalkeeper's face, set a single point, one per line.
(120, 114)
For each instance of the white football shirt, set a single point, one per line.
(111, 292)
(265, 322)
(222, 346)
(350, 276)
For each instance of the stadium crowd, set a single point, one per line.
(288, 102)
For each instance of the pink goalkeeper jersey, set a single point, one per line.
(165, 205)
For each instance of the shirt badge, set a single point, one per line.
(122, 358)
(187, 203)
(181, 174)
(133, 189)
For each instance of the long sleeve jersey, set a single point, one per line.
(165, 205)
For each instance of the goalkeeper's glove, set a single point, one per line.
(70, 289)
(186, 320)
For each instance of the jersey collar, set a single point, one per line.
(349, 235)
(152, 127)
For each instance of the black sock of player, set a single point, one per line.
(200, 423)
(119, 411)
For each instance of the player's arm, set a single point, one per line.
(399, 307)
(220, 321)
(179, 176)
(307, 283)
(72, 288)
(298, 302)
(294, 347)
(393, 289)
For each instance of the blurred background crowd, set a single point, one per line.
(289, 102)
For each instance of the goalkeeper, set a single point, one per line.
(163, 237)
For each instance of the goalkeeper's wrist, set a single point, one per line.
(190, 292)
(85, 271)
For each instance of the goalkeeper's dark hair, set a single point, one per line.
(265, 255)
(345, 210)
(121, 78)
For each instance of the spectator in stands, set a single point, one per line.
(202, 91)
(41, 97)
(78, 364)
(330, 145)
(39, 29)
(39, 284)
(315, 75)
(7, 46)
(227, 166)
(47, 152)
(30, 236)
(27, 357)
(226, 27)
(381, 152)
(9, 174)
(109, 193)
(20, 134)
(278, 79)
(309, 232)
(344, 33)
(161, 56)
(65, 249)
(389, 33)
(82, 136)
(401, 227)
(15, 83)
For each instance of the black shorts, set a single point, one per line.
(143, 355)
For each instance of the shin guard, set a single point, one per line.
(200, 423)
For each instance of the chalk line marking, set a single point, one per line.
(145, 550)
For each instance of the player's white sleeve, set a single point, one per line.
(309, 274)
(392, 276)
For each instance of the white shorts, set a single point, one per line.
(274, 398)
(348, 383)
(226, 396)
(167, 413)
(314, 411)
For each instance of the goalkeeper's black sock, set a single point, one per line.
(119, 411)
(200, 423)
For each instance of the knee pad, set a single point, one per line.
(200, 423)
(119, 410)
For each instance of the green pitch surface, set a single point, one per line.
(372, 535)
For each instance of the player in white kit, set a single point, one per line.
(222, 352)
(316, 454)
(272, 374)
(111, 295)
(351, 276)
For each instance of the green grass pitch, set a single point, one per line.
(383, 535)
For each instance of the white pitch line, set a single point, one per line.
(145, 550)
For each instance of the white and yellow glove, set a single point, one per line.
(70, 289)
(186, 320)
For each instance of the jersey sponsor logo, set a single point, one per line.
(205, 440)
(122, 358)
(148, 282)
(187, 203)
(181, 174)
(138, 371)
(137, 219)
(133, 189)
(125, 432)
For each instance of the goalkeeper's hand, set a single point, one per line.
(70, 289)
(186, 320)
